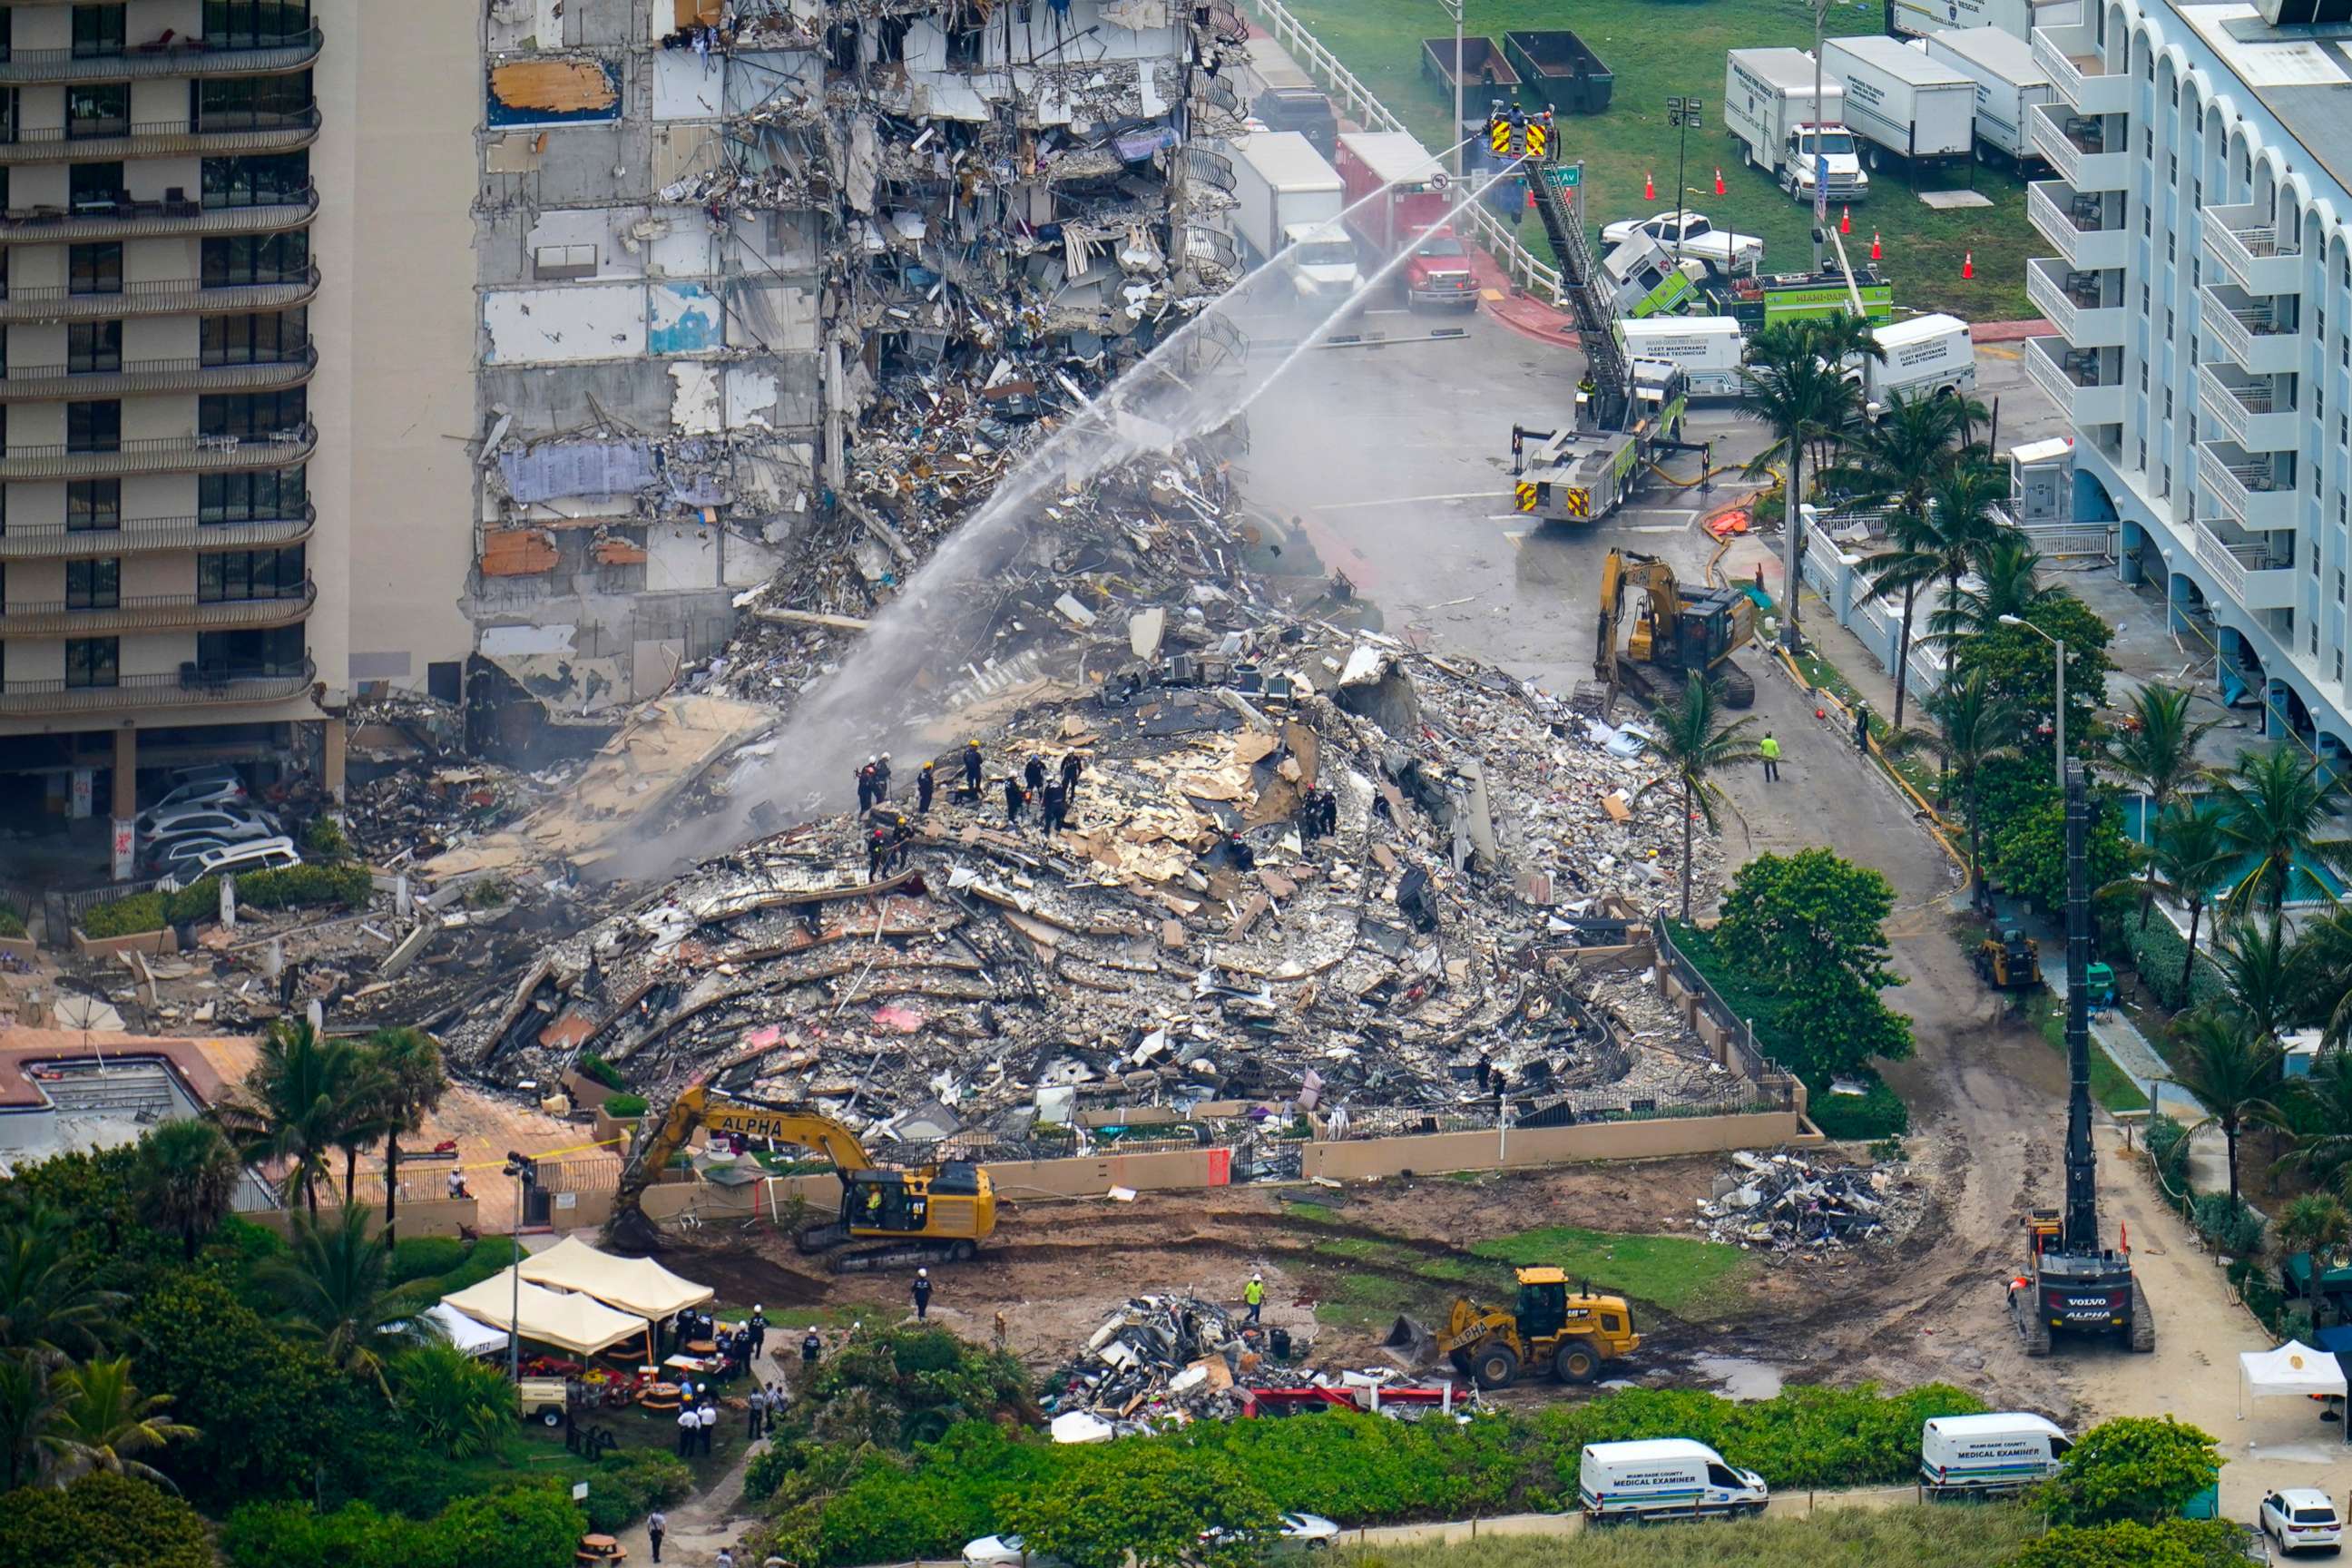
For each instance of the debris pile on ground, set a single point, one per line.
(1785, 1203)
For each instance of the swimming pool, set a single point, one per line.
(2311, 884)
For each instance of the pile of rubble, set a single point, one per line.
(1782, 1203)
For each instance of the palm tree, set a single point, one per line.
(188, 1176)
(2188, 858)
(2274, 806)
(1801, 399)
(2314, 1223)
(50, 1303)
(2006, 568)
(29, 1403)
(2266, 972)
(408, 1063)
(1979, 727)
(2326, 951)
(305, 1096)
(1896, 463)
(1965, 521)
(2318, 1119)
(2235, 1071)
(2155, 752)
(105, 1420)
(1694, 744)
(334, 1281)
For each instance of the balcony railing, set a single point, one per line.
(2244, 567)
(156, 613)
(194, 684)
(2246, 487)
(152, 219)
(2248, 330)
(215, 135)
(2087, 158)
(2051, 207)
(2074, 306)
(157, 56)
(2075, 61)
(56, 541)
(2090, 402)
(2255, 417)
(34, 383)
(162, 455)
(160, 298)
(2245, 243)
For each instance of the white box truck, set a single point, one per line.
(1902, 104)
(1708, 350)
(1664, 1478)
(2017, 18)
(1919, 358)
(1986, 1454)
(2008, 81)
(1785, 129)
(1287, 195)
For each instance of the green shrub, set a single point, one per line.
(621, 1107)
(101, 1521)
(2136, 1467)
(488, 1256)
(630, 1484)
(12, 920)
(1878, 1114)
(296, 887)
(2168, 1150)
(451, 1403)
(324, 840)
(424, 1257)
(2157, 952)
(532, 1526)
(2167, 1543)
(595, 1068)
(2227, 1224)
(124, 917)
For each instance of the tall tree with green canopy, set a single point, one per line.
(2189, 858)
(1792, 391)
(1897, 463)
(334, 1280)
(2233, 1069)
(1809, 927)
(410, 1081)
(2274, 807)
(187, 1178)
(104, 1423)
(2154, 752)
(51, 1304)
(1696, 741)
(1980, 726)
(306, 1097)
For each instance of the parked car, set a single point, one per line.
(232, 824)
(1723, 251)
(201, 791)
(2302, 1519)
(1002, 1552)
(255, 855)
(177, 858)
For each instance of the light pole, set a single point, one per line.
(1454, 9)
(1821, 159)
(1681, 113)
(523, 1172)
(2060, 643)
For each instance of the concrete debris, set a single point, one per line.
(1783, 1203)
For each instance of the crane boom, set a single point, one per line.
(1590, 299)
(696, 1107)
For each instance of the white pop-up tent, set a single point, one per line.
(638, 1285)
(2293, 1370)
(580, 1324)
(471, 1337)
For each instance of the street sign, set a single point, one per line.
(1565, 176)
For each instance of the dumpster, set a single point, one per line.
(1482, 65)
(1563, 71)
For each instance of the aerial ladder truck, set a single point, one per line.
(1627, 411)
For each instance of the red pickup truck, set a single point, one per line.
(1412, 201)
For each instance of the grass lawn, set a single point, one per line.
(1662, 47)
(2110, 1086)
(1950, 1536)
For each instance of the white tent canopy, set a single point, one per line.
(638, 1285)
(2293, 1370)
(473, 1338)
(576, 1323)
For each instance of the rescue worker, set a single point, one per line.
(759, 1326)
(1238, 852)
(1862, 728)
(901, 835)
(1253, 1296)
(656, 1526)
(811, 1348)
(1769, 750)
(1073, 766)
(877, 845)
(927, 781)
(688, 1426)
(972, 768)
(921, 1291)
(1054, 807)
(1012, 801)
(755, 1408)
(1329, 804)
(866, 785)
(882, 778)
(1034, 773)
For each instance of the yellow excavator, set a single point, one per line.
(1679, 631)
(935, 1214)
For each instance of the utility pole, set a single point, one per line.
(1454, 9)
(1821, 158)
(1681, 113)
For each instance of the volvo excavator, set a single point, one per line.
(1676, 630)
(937, 1213)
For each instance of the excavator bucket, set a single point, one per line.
(1413, 1344)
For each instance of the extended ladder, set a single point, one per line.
(1587, 289)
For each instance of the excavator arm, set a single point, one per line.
(697, 1107)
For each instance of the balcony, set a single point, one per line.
(164, 298)
(2255, 418)
(2078, 150)
(32, 699)
(2084, 402)
(2057, 211)
(150, 220)
(48, 382)
(2243, 565)
(2076, 62)
(2249, 330)
(220, 137)
(157, 613)
(2070, 298)
(163, 455)
(140, 536)
(2246, 487)
(2245, 244)
(181, 57)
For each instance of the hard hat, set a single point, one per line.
(922, 1274)
(755, 1307)
(871, 760)
(1256, 1276)
(929, 765)
(885, 757)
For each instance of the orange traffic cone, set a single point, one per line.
(1873, 244)
(1718, 181)
(1649, 187)
(1846, 220)
(1968, 265)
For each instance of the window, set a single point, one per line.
(93, 347)
(2142, 464)
(92, 661)
(251, 498)
(98, 109)
(2197, 192)
(2146, 301)
(256, 24)
(254, 103)
(2167, 403)
(2339, 584)
(98, 30)
(252, 417)
(2164, 486)
(2171, 247)
(256, 259)
(2340, 663)
(2168, 321)
(94, 187)
(93, 584)
(94, 268)
(273, 338)
(2342, 433)
(257, 182)
(2147, 219)
(2143, 378)
(279, 651)
(93, 506)
(94, 427)
(963, 47)
(234, 575)
(2173, 178)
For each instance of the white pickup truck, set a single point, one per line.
(1694, 235)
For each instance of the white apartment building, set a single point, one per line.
(2202, 293)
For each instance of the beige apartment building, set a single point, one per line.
(235, 381)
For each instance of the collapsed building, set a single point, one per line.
(780, 284)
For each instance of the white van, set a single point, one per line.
(1664, 1478)
(1708, 350)
(260, 855)
(1995, 1453)
(1923, 357)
